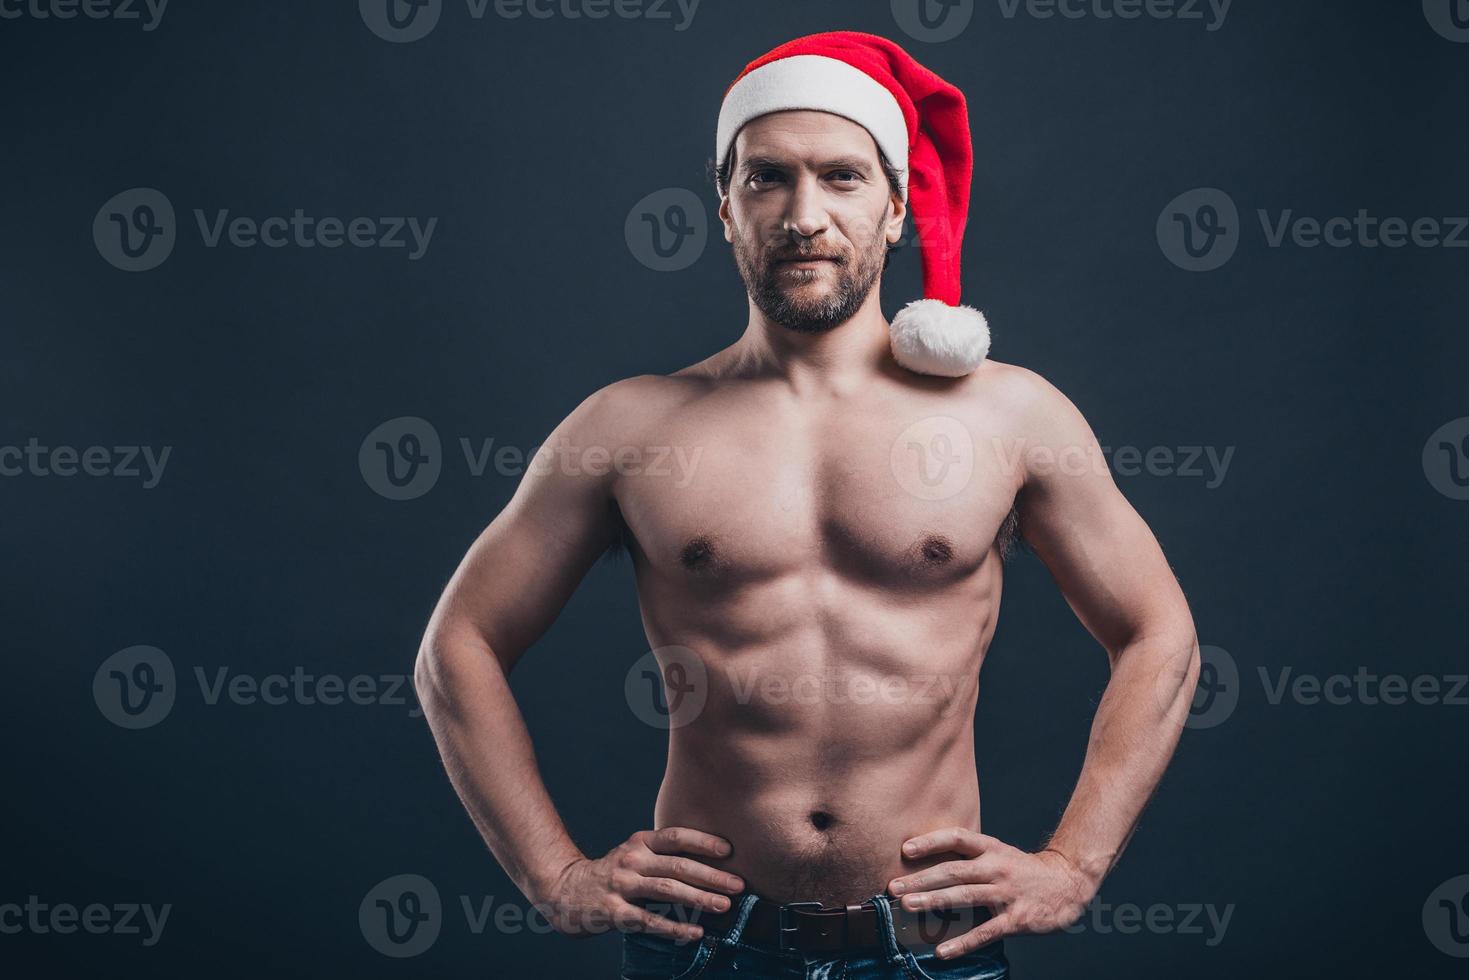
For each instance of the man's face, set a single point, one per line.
(810, 214)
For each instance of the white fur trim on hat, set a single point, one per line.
(810, 81)
(931, 337)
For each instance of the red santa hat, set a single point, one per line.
(921, 124)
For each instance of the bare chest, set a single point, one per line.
(871, 492)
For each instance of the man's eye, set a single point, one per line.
(846, 176)
(758, 176)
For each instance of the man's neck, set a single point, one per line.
(838, 361)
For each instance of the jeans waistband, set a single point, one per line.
(878, 923)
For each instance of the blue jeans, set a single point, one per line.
(649, 957)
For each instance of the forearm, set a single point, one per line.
(489, 757)
(1133, 736)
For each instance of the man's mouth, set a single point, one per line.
(805, 260)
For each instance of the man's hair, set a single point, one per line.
(722, 173)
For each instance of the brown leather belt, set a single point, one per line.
(811, 927)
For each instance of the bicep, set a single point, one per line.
(1099, 550)
(525, 565)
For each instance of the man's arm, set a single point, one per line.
(515, 578)
(1113, 574)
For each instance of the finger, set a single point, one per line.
(635, 919)
(684, 840)
(959, 840)
(688, 870)
(670, 890)
(955, 897)
(938, 876)
(996, 928)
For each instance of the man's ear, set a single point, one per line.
(726, 219)
(895, 220)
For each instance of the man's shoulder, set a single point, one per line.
(642, 391)
(1026, 405)
(645, 394)
(1012, 390)
(621, 410)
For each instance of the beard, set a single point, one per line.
(790, 299)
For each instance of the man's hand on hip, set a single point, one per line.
(593, 896)
(1026, 892)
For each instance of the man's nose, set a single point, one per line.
(806, 215)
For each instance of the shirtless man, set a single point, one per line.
(841, 532)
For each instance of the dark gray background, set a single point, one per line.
(263, 548)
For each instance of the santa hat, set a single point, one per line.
(921, 124)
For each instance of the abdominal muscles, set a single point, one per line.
(834, 729)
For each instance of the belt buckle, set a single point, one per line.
(786, 928)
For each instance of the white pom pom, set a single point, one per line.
(931, 337)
